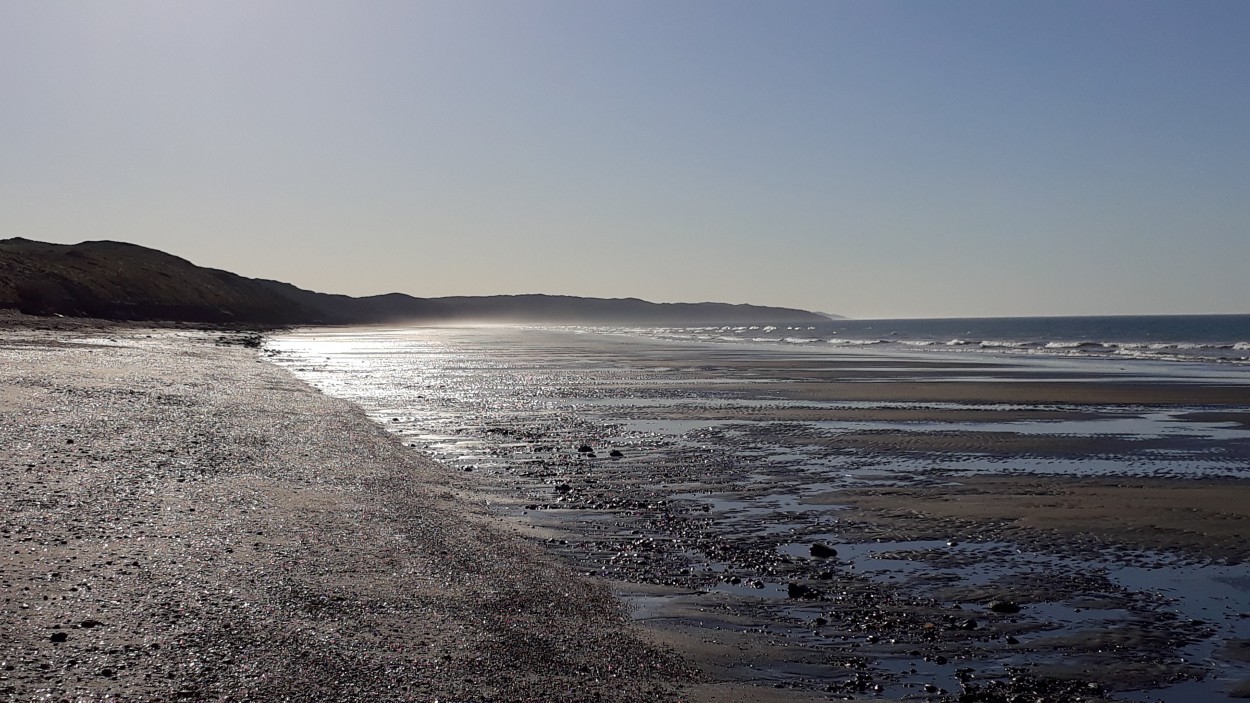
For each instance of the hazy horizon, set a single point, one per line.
(878, 160)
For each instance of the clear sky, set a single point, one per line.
(872, 158)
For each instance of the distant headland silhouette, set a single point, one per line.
(121, 281)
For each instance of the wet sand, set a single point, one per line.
(999, 528)
(1207, 519)
(182, 521)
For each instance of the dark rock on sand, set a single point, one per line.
(823, 551)
(798, 590)
(1003, 606)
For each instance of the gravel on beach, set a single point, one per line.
(184, 521)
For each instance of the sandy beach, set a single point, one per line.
(182, 521)
(185, 520)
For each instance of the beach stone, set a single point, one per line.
(798, 590)
(585, 449)
(1003, 606)
(616, 454)
(822, 551)
(59, 637)
(968, 624)
(563, 488)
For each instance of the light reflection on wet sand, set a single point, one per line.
(735, 459)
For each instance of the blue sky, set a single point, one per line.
(875, 158)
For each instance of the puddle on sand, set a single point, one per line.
(1211, 599)
(1139, 425)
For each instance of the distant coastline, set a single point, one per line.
(121, 281)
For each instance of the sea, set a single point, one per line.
(1214, 338)
(729, 450)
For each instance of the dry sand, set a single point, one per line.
(184, 521)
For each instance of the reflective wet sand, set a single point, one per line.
(999, 526)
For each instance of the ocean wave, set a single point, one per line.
(1003, 344)
(1166, 351)
(856, 342)
(1075, 345)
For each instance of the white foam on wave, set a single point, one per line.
(1179, 351)
(855, 342)
(1073, 345)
